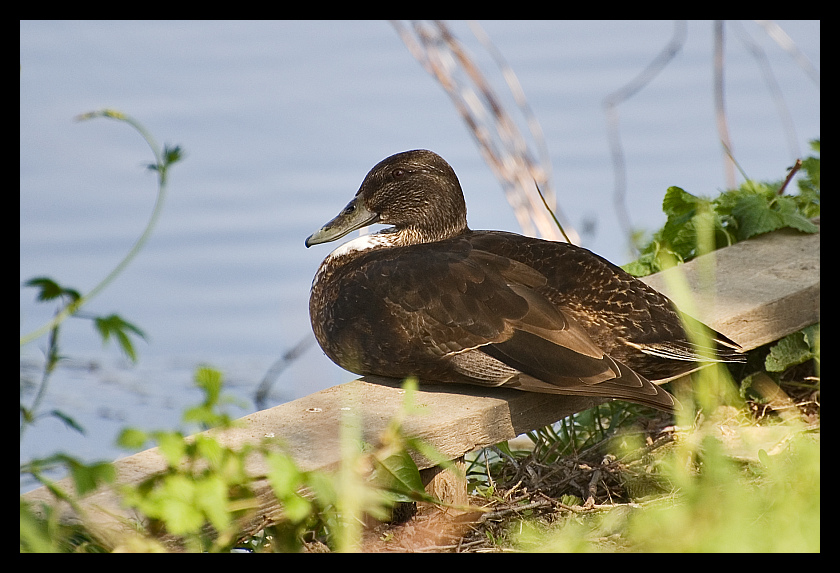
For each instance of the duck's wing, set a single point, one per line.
(559, 357)
(632, 321)
(722, 348)
(466, 303)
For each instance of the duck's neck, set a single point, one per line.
(417, 235)
(389, 238)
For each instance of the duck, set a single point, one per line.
(430, 298)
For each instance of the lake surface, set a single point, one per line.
(280, 121)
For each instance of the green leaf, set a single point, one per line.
(788, 211)
(570, 500)
(286, 479)
(755, 216)
(204, 415)
(36, 531)
(763, 457)
(641, 267)
(68, 421)
(174, 503)
(811, 166)
(27, 414)
(398, 474)
(759, 210)
(172, 446)
(283, 474)
(210, 381)
(210, 450)
(132, 439)
(323, 487)
(211, 495)
(690, 218)
(114, 325)
(679, 203)
(296, 508)
(51, 290)
(791, 350)
(88, 477)
(812, 337)
(172, 154)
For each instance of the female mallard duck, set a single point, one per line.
(431, 298)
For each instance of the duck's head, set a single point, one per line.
(415, 191)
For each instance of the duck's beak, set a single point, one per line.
(354, 216)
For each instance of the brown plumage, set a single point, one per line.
(431, 298)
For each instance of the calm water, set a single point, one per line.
(280, 122)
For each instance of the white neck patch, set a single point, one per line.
(363, 243)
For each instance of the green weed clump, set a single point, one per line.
(45, 531)
(716, 502)
(208, 498)
(696, 225)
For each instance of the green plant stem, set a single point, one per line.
(160, 166)
(52, 358)
(553, 216)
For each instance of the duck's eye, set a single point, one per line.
(398, 173)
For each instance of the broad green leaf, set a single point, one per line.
(175, 504)
(399, 475)
(788, 210)
(211, 495)
(789, 351)
(755, 216)
(679, 203)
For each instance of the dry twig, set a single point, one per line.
(500, 141)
